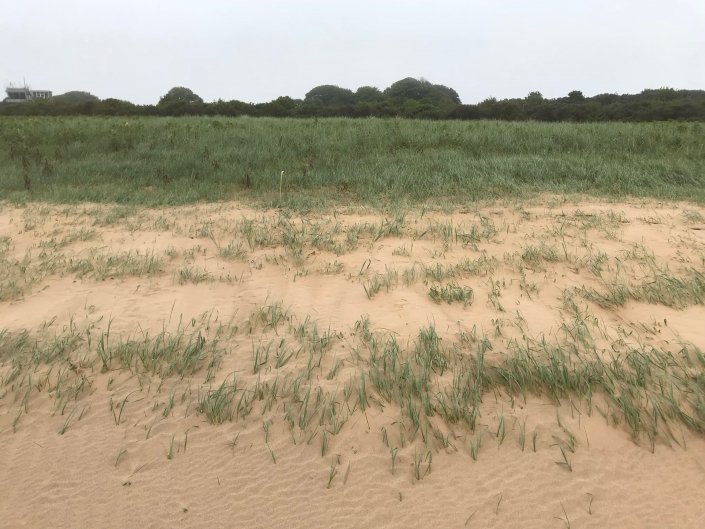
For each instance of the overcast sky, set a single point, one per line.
(257, 50)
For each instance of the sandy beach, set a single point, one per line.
(216, 365)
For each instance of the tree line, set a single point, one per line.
(409, 98)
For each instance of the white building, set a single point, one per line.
(24, 93)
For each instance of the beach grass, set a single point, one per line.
(378, 162)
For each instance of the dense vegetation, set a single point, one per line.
(408, 97)
(152, 161)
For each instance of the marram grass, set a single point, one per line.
(161, 161)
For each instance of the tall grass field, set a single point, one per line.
(159, 161)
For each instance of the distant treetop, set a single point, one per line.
(422, 90)
(75, 97)
(368, 94)
(330, 95)
(179, 95)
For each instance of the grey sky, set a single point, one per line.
(258, 50)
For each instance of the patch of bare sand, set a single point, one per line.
(150, 464)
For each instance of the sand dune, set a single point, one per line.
(133, 319)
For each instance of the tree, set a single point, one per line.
(281, 107)
(418, 98)
(368, 94)
(660, 94)
(486, 108)
(114, 107)
(75, 97)
(408, 88)
(330, 95)
(422, 90)
(576, 96)
(465, 112)
(534, 97)
(179, 95)
(509, 110)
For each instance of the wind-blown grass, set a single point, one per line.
(431, 387)
(157, 161)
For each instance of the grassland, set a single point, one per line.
(160, 161)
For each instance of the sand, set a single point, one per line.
(155, 465)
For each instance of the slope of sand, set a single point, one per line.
(130, 447)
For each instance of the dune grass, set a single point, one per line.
(429, 392)
(651, 392)
(438, 393)
(160, 161)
